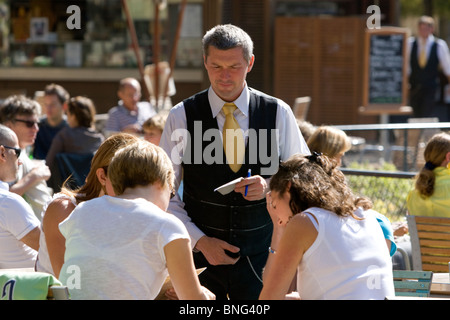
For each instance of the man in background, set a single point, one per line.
(20, 114)
(428, 55)
(19, 227)
(130, 114)
(55, 102)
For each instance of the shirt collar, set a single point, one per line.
(217, 103)
(430, 39)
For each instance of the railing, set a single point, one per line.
(382, 144)
(387, 190)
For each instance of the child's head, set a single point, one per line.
(138, 165)
(153, 128)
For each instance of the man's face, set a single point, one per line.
(53, 107)
(12, 162)
(130, 95)
(26, 128)
(227, 70)
(425, 30)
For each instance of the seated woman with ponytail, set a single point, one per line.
(326, 233)
(431, 196)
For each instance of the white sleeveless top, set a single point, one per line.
(348, 260)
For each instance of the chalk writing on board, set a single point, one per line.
(386, 69)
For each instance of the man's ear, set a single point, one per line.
(2, 153)
(251, 63)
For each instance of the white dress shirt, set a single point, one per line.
(290, 142)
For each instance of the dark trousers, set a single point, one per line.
(422, 100)
(234, 282)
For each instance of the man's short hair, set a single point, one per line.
(18, 105)
(228, 36)
(57, 90)
(426, 20)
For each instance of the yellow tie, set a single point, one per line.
(422, 56)
(233, 139)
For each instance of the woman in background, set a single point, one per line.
(431, 196)
(330, 141)
(80, 136)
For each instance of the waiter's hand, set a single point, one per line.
(257, 188)
(214, 250)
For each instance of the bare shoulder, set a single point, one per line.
(301, 227)
(58, 210)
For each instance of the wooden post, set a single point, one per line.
(135, 45)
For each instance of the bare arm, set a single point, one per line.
(31, 239)
(56, 212)
(280, 269)
(182, 271)
(37, 174)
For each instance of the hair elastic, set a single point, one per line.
(429, 166)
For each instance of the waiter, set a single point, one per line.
(214, 137)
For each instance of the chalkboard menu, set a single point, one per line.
(386, 86)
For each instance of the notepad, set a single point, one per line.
(228, 187)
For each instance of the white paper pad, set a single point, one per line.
(228, 187)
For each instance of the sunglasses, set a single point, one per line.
(16, 150)
(28, 123)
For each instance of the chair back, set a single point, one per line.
(430, 243)
(301, 107)
(73, 165)
(412, 283)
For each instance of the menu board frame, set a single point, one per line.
(385, 108)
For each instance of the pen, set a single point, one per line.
(249, 173)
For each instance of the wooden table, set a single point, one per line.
(440, 285)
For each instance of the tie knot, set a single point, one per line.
(228, 108)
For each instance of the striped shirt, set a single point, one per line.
(120, 117)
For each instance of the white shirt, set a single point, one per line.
(442, 52)
(16, 221)
(115, 248)
(290, 142)
(348, 260)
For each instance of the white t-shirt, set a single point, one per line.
(347, 261)
(115, 248)
(17, 219)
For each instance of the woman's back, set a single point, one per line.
(117, 244)
(348, 260)
(436, 205)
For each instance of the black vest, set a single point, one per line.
(245, 224)
(426, 77)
